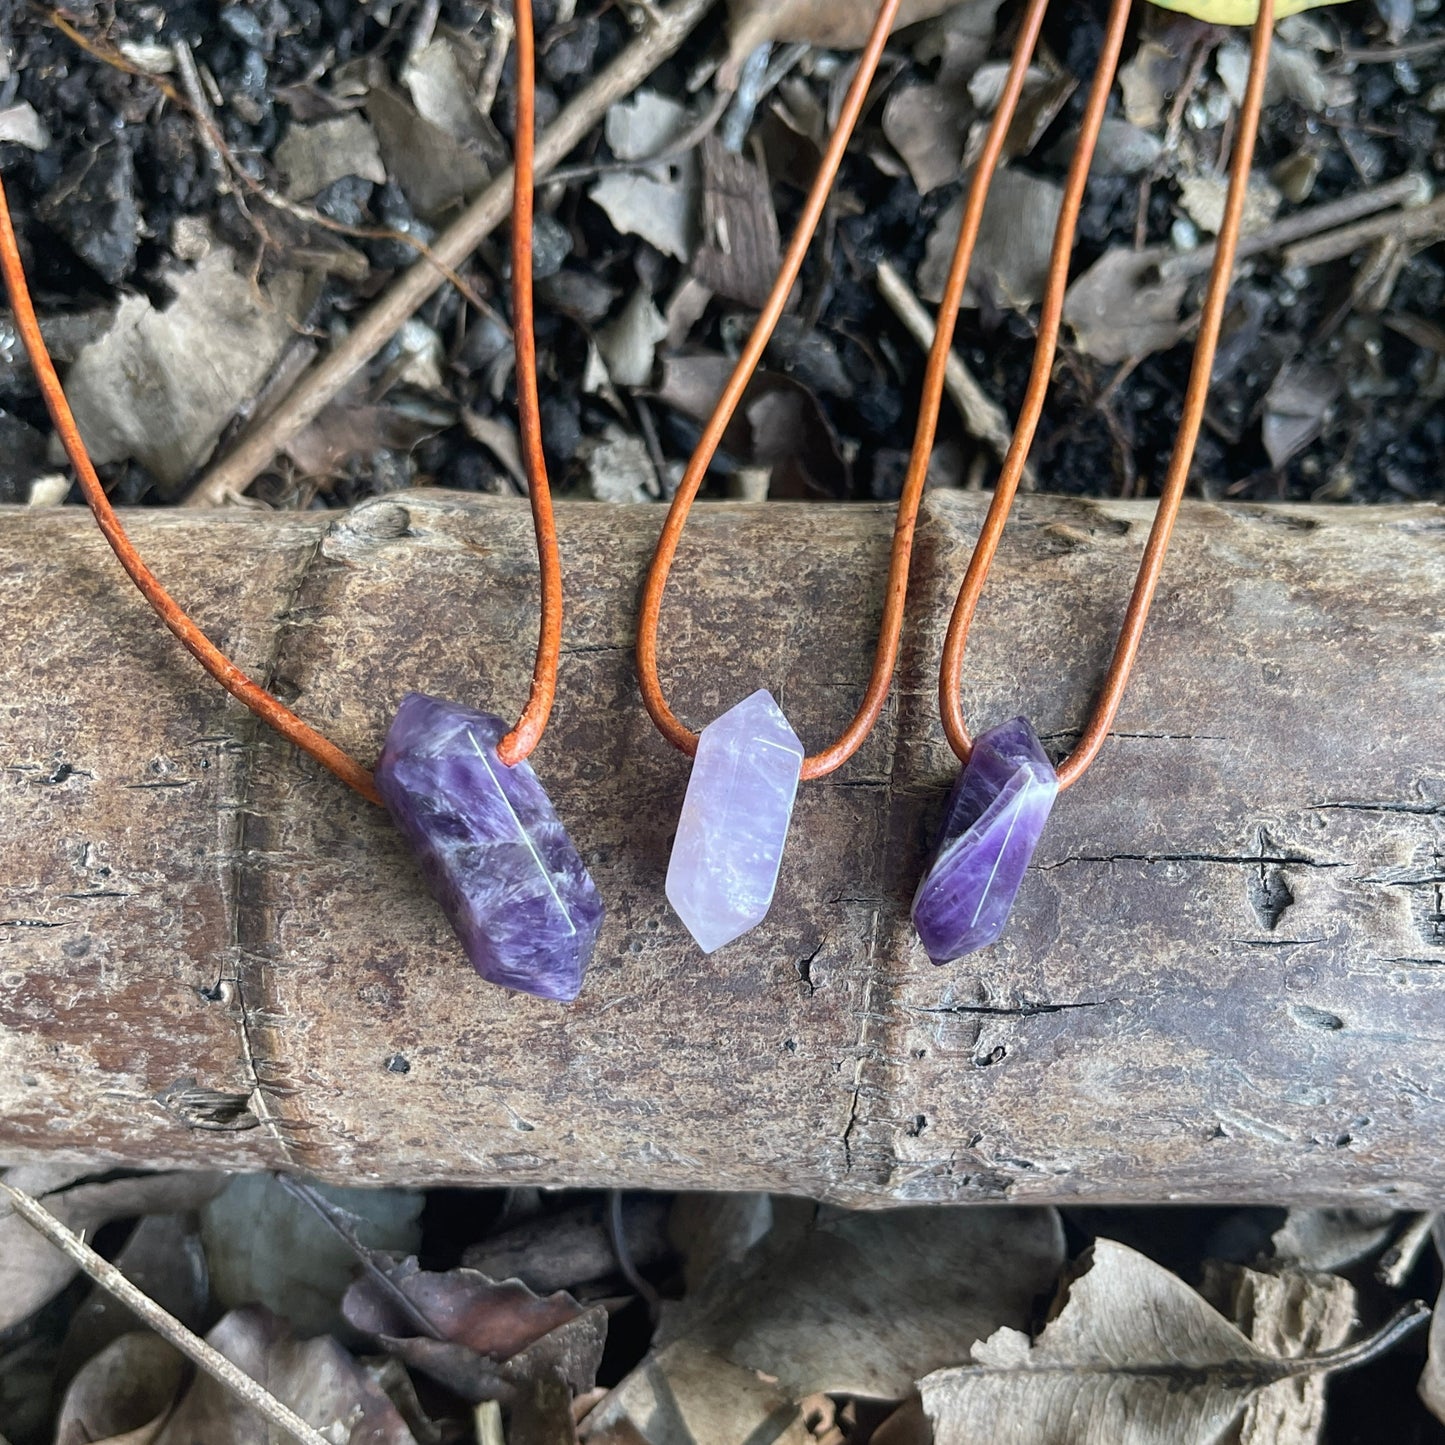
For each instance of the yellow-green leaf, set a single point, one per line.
(1239, 12)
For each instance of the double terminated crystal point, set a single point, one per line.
(995, 815)
(491, 846)
(729, 844)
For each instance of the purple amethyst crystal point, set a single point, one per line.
(996, 813)
(491, 846)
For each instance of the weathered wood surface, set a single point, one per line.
(1225, 978)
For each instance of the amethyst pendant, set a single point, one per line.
(491, 846)
(996, 813)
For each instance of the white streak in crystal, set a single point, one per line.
(734, 821)
(543, 872)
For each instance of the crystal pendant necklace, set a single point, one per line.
(1008, 785)
(456, 781)
(747, 763)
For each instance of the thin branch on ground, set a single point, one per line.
(166, 1325)
(230, 477)
(982, 415)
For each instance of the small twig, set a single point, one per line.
(238, 469)
(491, 77)
(205, 1356)
(1406, 190)
(424, 29)
(1424, 223)
(1403, 1255)
(201, 107)
(982, 415)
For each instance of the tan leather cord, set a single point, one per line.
(886, 655)
(524, 737)
(1176, 478)
(220, 667)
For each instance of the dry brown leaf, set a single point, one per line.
(316, 1378)
(33, 1271)
(572, 1246)
(1296, 408)
(833, 24)
(269, 1245)
(160, 385)
(1015, 239)
(123, 1394)
(1134, 1357)
(780, 423)
(836, 1303)
(628, 343)
(437, 172)
(312, 157)
(1123, 307)
(927, 125)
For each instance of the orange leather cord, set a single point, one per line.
(528, 732)
(524, 737)
(1172, 492)
(885, 657)
(220, 667)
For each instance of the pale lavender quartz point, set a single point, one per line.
(729, 843)
(490, 844)
(996, 813)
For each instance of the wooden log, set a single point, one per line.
(1224, 980)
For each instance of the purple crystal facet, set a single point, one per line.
(996, 813)
(491, 846)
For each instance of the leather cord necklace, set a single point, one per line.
(1008, 785)
(748, 762)
(456, 781)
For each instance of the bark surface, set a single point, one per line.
(1224, 979)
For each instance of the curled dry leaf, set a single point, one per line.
(1134, 1357)
(122, 1395)
(928, 125)
(316, 1378)
(33, 1271)
(833, 24)
(477, 1326)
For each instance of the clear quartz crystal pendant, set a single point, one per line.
(995, 816)
(491, 846)
(734, 821)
